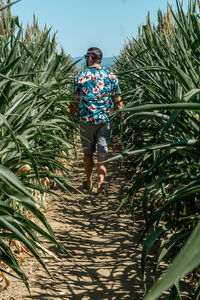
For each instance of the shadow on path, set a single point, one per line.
(105, 262)
(102, 241)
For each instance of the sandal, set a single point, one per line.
(85, 186)
(103, 191)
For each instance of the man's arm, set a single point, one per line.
(74, 105)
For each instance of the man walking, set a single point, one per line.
(96, 92)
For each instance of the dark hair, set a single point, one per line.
(95, 53)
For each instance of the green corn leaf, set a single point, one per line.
(9, 224)
(176, 106)
(9, 259)
(184, 263)
(11, 180)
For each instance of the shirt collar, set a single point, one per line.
(94, 67)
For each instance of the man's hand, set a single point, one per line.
(118, 101)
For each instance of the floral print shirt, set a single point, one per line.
(95, 86)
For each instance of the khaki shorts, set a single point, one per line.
(93, 135)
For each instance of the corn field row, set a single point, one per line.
(160, 129)
(35, 89)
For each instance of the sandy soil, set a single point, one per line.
(105, 262)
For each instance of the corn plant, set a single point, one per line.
(159, 74)
(35, 136)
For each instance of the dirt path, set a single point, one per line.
(105, 263)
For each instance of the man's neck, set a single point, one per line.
(95, 65)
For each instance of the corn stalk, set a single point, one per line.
(159, 74)
(35, 136)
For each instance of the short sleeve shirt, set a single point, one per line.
(96, 86)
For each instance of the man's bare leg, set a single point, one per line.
(102, 169)
(88, 164)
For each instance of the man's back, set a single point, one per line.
(96, 86)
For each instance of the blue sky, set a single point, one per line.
(85, 23)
